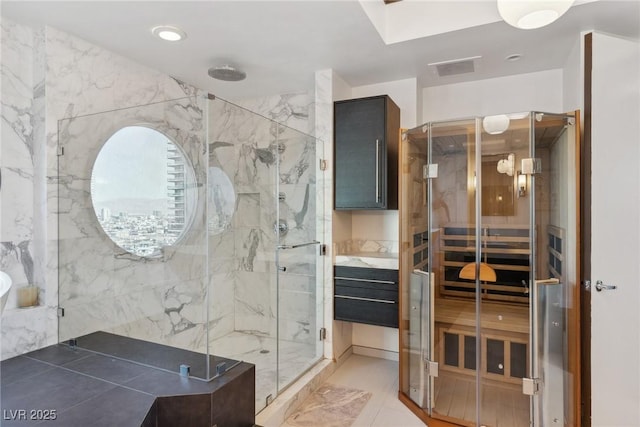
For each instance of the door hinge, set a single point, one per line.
(60, 151)
(431, 368)
(430, 171)
(323, 334)
(322, 249)
(531, 386)
(323, 165)
(60, 312)
(531, 166)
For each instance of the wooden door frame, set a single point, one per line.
(584, 192)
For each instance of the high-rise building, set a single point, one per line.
(176, 186)
(105, 214)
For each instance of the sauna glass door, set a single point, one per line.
(554, 281)
(507, 234)
(453, 252)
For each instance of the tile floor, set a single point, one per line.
(380, 378)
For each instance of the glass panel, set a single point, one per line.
(518, 362)
(555, 259)
(419, 337)
(452, 211)
(505, 241)
(469, 352)
(133, 238)
(416, 325)
(243, 146)
(299, 197)
(266, 281)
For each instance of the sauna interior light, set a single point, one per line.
(529, 14)
(507, 165)
(522, 184)
(495, 125)
(168, 33)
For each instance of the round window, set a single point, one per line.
(143, 190)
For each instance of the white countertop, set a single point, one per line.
(369, 260)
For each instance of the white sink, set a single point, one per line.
(5, 285)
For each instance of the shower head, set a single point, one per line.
(227, 73)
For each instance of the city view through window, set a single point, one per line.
(143, 191)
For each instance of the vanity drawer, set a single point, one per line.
(366, 295)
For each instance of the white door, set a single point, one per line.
(615, 255)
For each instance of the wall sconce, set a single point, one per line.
(522, 184)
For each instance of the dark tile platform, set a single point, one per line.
(152, 354)
(78, 387)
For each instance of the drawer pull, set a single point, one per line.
(365, 280)
(386, 301)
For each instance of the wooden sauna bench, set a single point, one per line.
(515, 318)
(504, 338)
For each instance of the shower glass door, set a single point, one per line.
(265, 193)
(299, 199)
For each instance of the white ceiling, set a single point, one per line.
(280, 44)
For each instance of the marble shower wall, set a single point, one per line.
(48, 75)
(247, 147)
(22, 192)
(103, 287)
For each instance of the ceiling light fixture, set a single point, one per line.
(168, 33)
(227, 73)
(529, 14)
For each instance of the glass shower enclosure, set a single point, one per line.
(188, 237)
(488, 270)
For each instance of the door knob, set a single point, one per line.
(601, 286)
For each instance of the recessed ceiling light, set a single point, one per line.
(513, 57)
(168, 33)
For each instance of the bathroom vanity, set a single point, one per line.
(366, 288)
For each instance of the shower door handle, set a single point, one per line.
(299, 245)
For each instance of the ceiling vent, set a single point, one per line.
(455, 66)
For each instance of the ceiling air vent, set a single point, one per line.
(455, 66)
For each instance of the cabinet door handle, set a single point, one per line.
(385, 301)
(365, 280)
(377, 171)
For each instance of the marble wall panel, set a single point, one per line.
(47, 76)
(255, 312)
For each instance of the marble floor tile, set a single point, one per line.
(378, 377)
(329, 406)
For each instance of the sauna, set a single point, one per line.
(488, 270)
